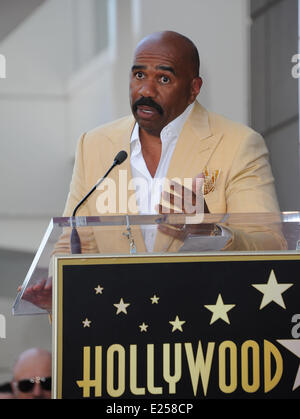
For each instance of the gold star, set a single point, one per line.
(219, 310)
(177, 324)
(121, 307)
(272, 291)
(154, 299)
(86, 323)
(143, 327)
(99, 289)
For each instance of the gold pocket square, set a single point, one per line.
(210, 180)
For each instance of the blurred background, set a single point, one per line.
(67, 71)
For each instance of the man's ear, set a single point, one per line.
(195, 88)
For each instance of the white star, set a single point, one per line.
(293, 345)
(86, 323)
(121, 307)
(99, 289)
(272, 291)
(177, 324)
(143, 327)
(219, 310)
(154, 299)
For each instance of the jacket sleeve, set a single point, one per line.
(250, 183)
(250, 189)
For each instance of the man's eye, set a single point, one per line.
(165, 79)
(139, 75)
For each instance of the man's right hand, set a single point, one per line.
(40, 294)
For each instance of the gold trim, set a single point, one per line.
(54, 328)
(57, 299)
(66, 260)
(60, 327)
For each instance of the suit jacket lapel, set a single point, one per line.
(194, 147)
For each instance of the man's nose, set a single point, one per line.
(148, 89)
(37, 390)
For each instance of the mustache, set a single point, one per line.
(147, 101)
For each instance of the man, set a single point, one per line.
(170, 135)
(32, 375)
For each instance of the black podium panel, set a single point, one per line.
(177, 327)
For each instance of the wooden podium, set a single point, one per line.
(200, 325)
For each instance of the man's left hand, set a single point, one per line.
(184, 201)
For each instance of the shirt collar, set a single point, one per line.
(172, 130)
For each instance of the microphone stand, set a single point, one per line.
(75, 242)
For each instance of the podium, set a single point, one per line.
(214, 315)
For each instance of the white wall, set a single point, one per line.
(33, 126)
(98, 93)
(220, 30)
(90, 98)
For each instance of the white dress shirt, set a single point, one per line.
(148, 188)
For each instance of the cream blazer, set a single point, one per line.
(207, 141)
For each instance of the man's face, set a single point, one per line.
(162, 85)
(31, 378)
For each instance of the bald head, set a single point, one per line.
(35, 363)
(33, 358)
(175, 43)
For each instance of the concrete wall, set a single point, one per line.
(275, 106)
(35, 171)
(13, 13)
(220, 30)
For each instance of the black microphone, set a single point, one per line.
(75, 239)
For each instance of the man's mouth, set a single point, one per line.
(147, 107)
(147, 112)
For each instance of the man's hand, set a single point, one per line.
(184, 201)
(40, 294)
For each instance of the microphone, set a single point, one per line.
(75, 239)
(120, 157)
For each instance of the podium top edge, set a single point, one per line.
(115, 220)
